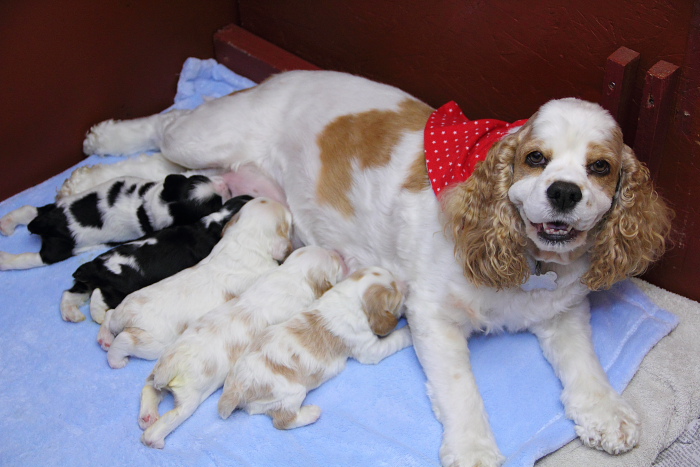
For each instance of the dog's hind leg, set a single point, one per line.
(128, 136)
(136, 342)
(98, 307)
(10, 261)
(71, 301)
(150, 400)
(20, 216)
(186, 402)
(105, 336)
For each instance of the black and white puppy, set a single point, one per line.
(134, 265)
(117, 211)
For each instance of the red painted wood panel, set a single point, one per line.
(69, 64)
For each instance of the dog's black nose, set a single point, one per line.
(563, 196)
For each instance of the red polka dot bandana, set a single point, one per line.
(455, 144)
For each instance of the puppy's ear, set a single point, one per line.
(173, 187)
(633, 233)
(487, 229)
(319, 283)
(381, 306)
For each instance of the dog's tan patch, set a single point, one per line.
(283, 229)
(366, 139)
(182, 327)
(233, 351)
(317, 339)
(379, 303)
(357, 275)
(612, 154)
(282, 370)
(209, 368)
(417, 179)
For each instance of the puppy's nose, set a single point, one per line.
(563, 196)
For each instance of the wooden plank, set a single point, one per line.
(253, 57)
(620, 73)
(655, 113)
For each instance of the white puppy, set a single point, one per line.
(291, 358)
(195, 365)
(151, 318)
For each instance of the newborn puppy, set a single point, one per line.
(134, 265)
(149, 319)
(196, 364)
(117, 211)
(291, 358)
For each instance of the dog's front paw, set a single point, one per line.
(470, 455)
(610, 425)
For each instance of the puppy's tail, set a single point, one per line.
(127, 136)
(164, 372)
(230, 397)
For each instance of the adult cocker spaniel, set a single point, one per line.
(557, 207)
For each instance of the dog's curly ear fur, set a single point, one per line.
(633, 233)
(487, 229)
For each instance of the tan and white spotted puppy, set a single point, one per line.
(560, 206)
(294, 357)
(146, 321)
(196, 364)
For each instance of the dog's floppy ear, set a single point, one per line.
(319, 283)
(381, 307)
(173, 187)
(487, 229)
(633, 233)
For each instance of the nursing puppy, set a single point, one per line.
(117, 211)
(151, 318)
(296, 356)
(134, 265)
(196, 365)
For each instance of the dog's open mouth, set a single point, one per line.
(555, 232)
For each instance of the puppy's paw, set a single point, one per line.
(152, 442)
(471, 454)
(7, 226)
(611, 425)
(116, 362)
(71, 313)
(96, 141)
(6, 261)
(105, 338)
(147, 419)
(80, 180)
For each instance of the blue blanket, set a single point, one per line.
(61, 404)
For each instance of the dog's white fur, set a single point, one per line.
(291, 358)
(349, 155)
(197, 363)
(146, 321)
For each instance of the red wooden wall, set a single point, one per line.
(66, 65)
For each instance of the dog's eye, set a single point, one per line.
(599, 167)
(536, 159)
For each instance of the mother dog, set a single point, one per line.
(559, 207)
